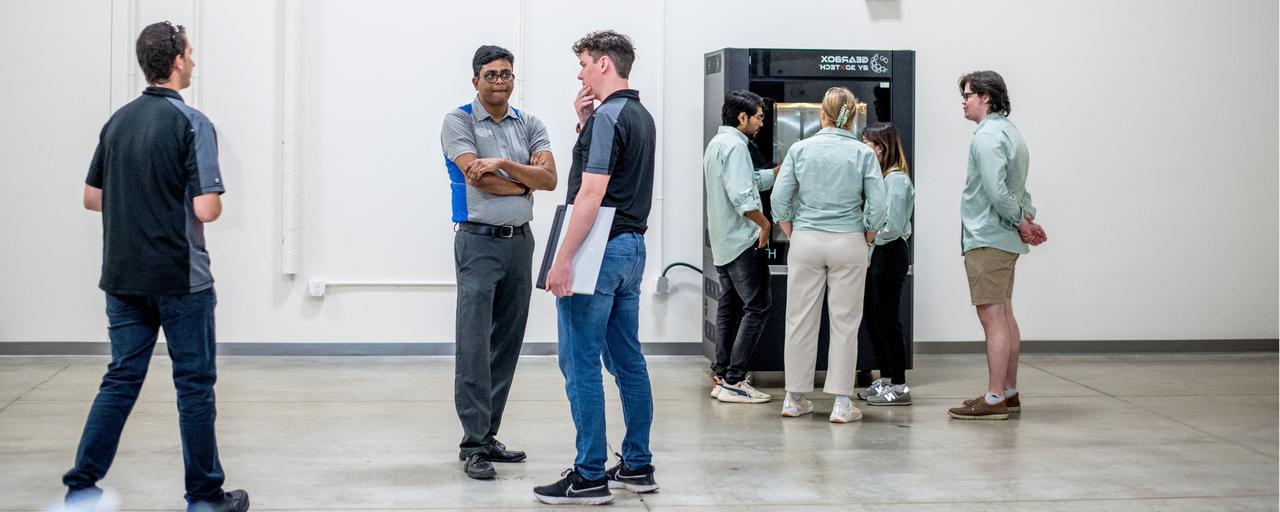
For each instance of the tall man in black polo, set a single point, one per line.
(613, 164)
(496, 155)
(155, 178)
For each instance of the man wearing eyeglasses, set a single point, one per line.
(496, 156)
(997, 223)
(155, 178)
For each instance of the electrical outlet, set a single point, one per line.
(316, 288)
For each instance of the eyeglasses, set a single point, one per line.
(494, 77)
(174, 31)
(965, 95)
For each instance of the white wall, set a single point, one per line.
(1152, 126)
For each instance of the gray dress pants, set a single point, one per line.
(494, 283)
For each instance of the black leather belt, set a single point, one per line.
(493, 231)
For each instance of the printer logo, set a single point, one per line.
(879, 63)
(876, 63)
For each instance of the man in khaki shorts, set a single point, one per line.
(997, 224)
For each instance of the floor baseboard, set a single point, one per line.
(83, 348)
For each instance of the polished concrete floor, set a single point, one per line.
(1119, 432)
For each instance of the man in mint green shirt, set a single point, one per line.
(739, 233)
(997, 223)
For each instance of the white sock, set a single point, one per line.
(1010, 392)
(843, 400)
(795, 397)
(993, 398)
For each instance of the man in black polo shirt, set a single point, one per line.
(612, 166)
(155, 178)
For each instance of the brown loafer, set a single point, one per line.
(1014, 402)
(979, 409)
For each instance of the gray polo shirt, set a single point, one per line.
(515, 137)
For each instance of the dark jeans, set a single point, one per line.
(742, 310)
(494, 284)
(134, 324)
(885, 279)
(604, 328)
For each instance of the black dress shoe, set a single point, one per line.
(478, 467)
(498, 452)
(232, 501)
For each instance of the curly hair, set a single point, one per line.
(607, 42)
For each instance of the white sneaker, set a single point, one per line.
(796, 408)
(715, 386)
(845, 413)
(742, 393)
(876, 387)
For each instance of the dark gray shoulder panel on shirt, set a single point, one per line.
(203, 158)
(600, 154)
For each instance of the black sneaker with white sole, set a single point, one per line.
(574, 490)
(639, 480)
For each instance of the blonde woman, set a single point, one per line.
(829, 200)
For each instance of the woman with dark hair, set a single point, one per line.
(888, 270)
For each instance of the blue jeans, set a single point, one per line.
(134, 324)
(605, 326)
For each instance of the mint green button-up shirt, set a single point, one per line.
(733, 188)
(995, 191)
(900, 200)
(830, 182)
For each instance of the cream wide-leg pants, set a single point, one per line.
(818, 260)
